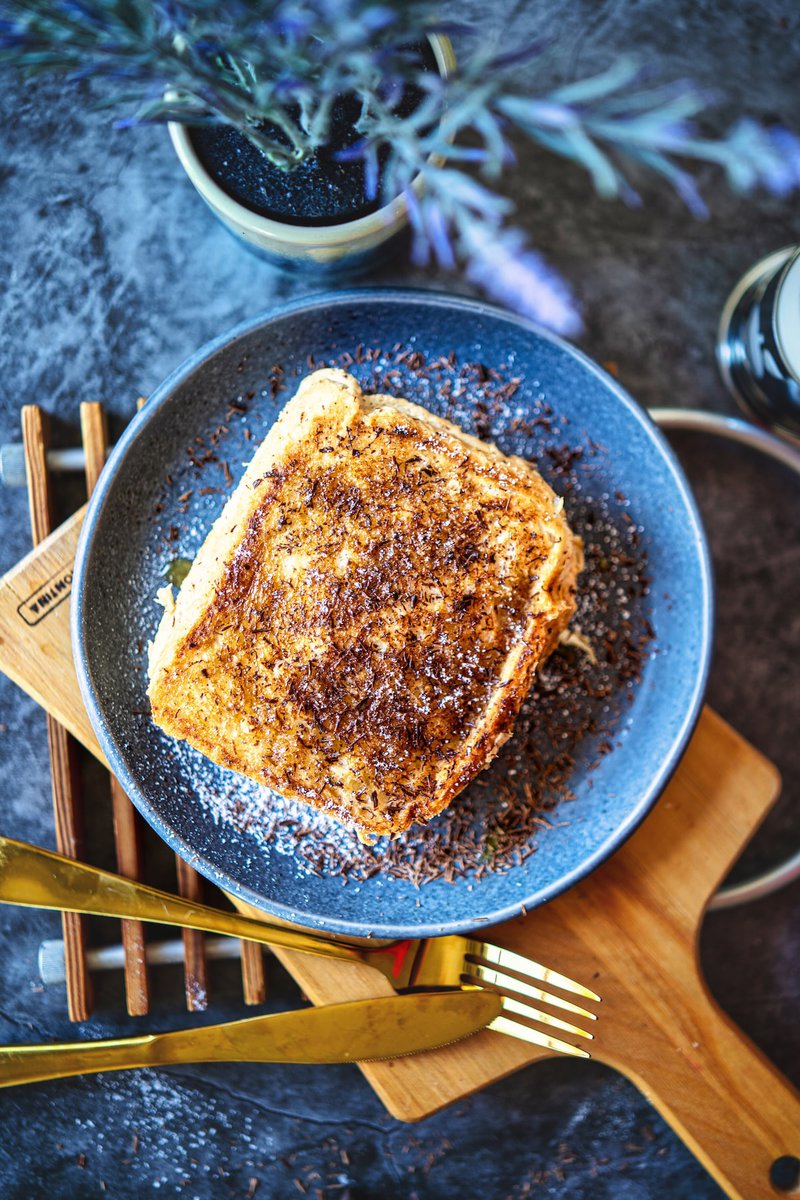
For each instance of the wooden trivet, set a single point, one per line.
(46, 613)
(630, 930)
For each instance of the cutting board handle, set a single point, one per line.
(720, 1094)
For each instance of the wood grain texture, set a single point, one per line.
(63, 772)
(36, 442)
(195, 966)
(254, 979)
(94, 435)
(35, 649)
(126, 839)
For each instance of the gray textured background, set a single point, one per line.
(112, 272)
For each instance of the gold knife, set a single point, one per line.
(356, 1031)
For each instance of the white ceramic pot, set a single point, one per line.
(339, 245)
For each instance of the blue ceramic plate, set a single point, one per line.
(597, 740)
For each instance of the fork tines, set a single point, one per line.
(486, 965)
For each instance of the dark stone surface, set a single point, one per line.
(112, 272)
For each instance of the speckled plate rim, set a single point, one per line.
(313, 304)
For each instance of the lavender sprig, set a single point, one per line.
(262, 67)
(607, 124)
(275, 68)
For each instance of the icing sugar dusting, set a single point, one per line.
(576, 711)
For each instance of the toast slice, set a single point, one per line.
(363, 621)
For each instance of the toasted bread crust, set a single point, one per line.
(362, 623)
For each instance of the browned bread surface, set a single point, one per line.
(363, 621)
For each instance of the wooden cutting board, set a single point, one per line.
(629, 931)
(35, 647)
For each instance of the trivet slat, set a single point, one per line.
(35, 440)
(94, 435)
(195, 965)
(62, 753)
(126, 837)
(254, 980)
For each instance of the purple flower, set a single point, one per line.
(499, 261)
(766, 156)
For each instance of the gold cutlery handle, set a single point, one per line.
(41, 879)
(29, 1064)
(210, 1043)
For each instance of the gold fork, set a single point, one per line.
(41, 879)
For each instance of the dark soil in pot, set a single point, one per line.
(321, 191)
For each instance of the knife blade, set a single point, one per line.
(355, 1031)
